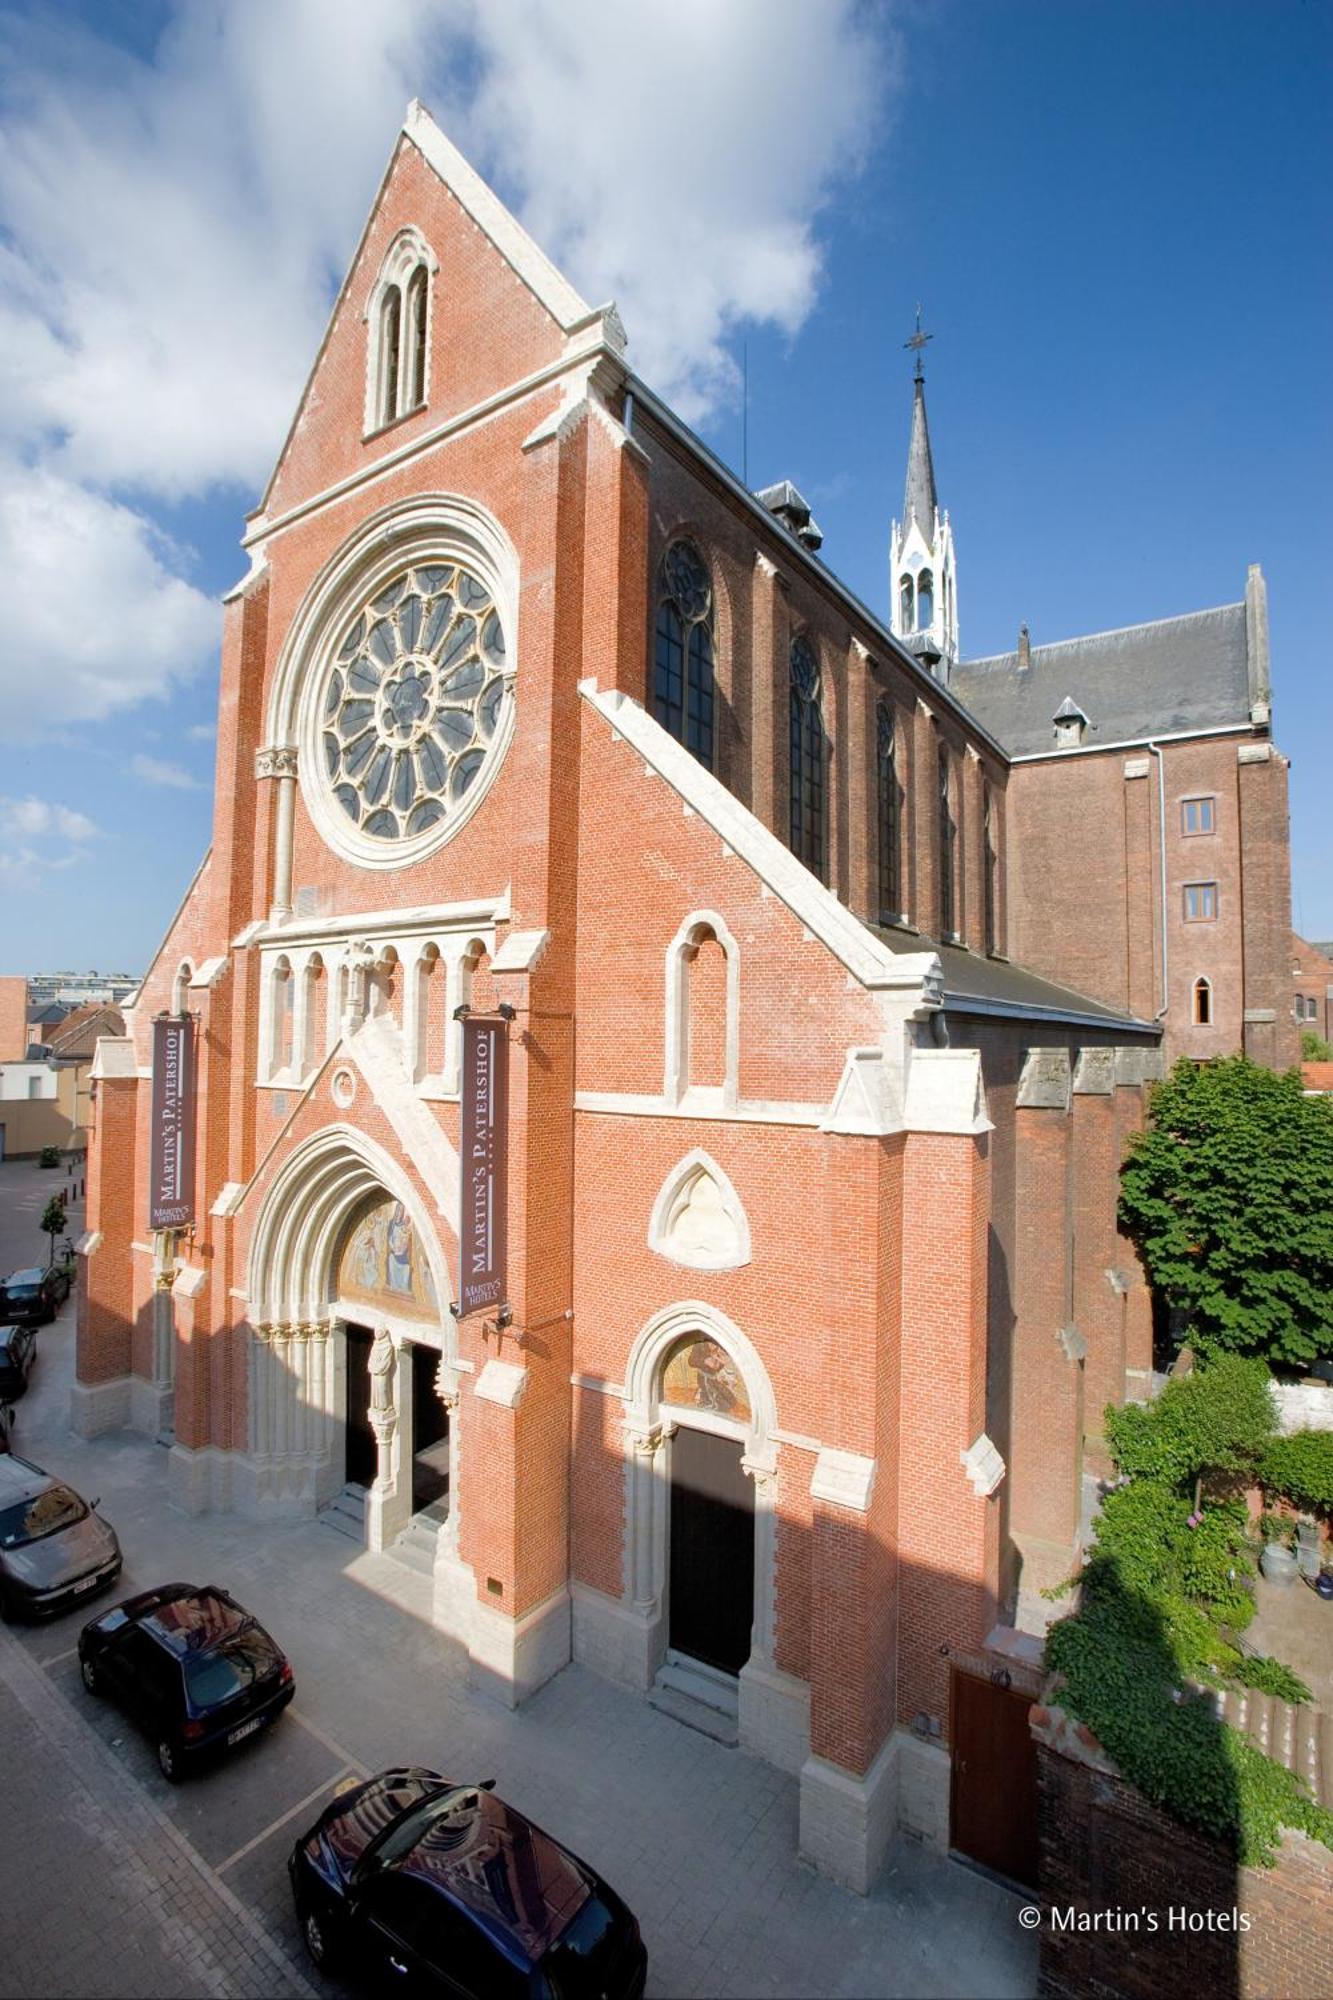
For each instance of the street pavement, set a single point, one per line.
(117, 1883)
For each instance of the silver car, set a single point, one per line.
(55, 1549)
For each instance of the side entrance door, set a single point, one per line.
(993, 1787)
(712, 1550)
(430, 1434)
(362, 1456)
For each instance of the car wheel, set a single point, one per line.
(92, 1680)
(316, 1940)
(7, 1611)
(168, 1761)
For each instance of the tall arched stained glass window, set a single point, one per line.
(807, 758)
(890, 798)
(683, 650)
(948, 910)
(989, 863)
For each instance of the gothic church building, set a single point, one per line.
(813, 1293)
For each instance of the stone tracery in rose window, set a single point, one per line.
(412, 701)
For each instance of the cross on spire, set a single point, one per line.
(917, 343)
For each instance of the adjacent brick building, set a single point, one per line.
(527, 704)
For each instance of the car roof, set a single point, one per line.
(189, 1620)
(20, 1479)
(514, 1881)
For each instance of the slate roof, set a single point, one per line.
(997, 986)
(919, 494)
(1163, 679)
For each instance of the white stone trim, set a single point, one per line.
(847, 1821)
(677, 1086)
(868, 1099)
(114, 1057)
(983, 1466)
(477, 913)
(748, 1111)
(230, 1197)
(915, 975)
(189, 1282)
(408, 253)
(501, 1382)
(89, 1243)
(522, 951)
(843, 1479)
(946, 1092)
(507, 235)
(685, 1171)
(208, 972)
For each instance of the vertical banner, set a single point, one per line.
(483, 1159)
(171, 1157)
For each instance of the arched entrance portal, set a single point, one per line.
(710, 1567)
(699, 1561)
(352, 1375)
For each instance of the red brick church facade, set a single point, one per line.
(813, 1280)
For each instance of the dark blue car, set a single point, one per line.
(191, 1666)
(424, 1886)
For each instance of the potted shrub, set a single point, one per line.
(1278, 1561)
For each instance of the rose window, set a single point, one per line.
(412, 701)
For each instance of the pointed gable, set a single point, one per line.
(498, 312)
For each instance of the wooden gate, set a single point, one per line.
(993, 1787)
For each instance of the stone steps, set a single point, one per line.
(699, 1696)
(347, 1514)
(416, 1547)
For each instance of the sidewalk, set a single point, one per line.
(102, 1895)
(700, 1840)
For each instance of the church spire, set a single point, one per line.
(922, 583)
(919, 501)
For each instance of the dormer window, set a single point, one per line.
(399, 331)
(1070, 724)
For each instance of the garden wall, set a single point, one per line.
(1134, 1906)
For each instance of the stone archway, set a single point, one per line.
(653, 1421)
(297, 1383)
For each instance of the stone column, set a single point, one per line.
(769, 782)
(382, 1522)
(278, 762)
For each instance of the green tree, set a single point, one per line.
(1229, 1197)
(53, 1222)
(1314, 1048)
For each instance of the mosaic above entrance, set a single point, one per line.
(382, 1263)
(700, 1375)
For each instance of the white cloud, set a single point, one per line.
(93, 618)
(202, 732)
(171, 234)
(160, 771)
(37, 835)
(678, 163)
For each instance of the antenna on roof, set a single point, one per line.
(745, 413)
(917, 343)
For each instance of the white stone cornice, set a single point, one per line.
(276, 761)
(479, 912)
(843, 1479)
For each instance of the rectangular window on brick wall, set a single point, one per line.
(1200, 902)
(1197, 816)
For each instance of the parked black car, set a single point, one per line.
(54, 1547)
(434, 1887)
(191, 1666)
(18, 1351)
(32, 1297)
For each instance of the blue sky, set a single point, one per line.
(1115, 216)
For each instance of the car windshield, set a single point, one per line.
(215, 1677)
(22, 1291)
(43, 1514)
(583, 1952)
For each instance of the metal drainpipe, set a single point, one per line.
(1165, 1007)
